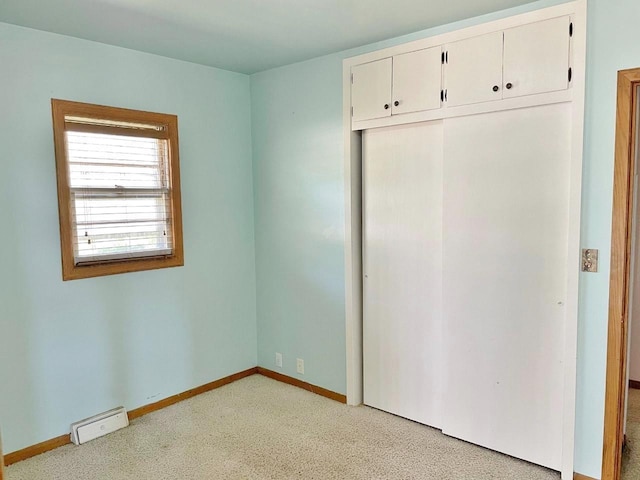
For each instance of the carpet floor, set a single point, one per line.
(631, 455)
(258, 428)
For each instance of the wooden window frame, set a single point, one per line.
(62, 108)
(621, 242)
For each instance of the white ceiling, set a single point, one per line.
(241, 35)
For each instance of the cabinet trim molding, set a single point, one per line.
(464, 110)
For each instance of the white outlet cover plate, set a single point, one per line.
(300, 365)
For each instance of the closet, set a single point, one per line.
(470, 178)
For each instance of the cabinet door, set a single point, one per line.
(536, 57)
(473, 73)
(417, 80)
(371, 90)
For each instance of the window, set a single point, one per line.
(118, 189)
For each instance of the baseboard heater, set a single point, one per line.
(99, 425)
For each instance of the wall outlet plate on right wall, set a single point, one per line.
(589, 260)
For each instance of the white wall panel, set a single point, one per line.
(506, 200)
(402, 178)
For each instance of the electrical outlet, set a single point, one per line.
(589, 260)
(300, 366)
(278, 360)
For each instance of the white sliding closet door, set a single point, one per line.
(506, 199)
(402, 240)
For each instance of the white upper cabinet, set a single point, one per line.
(473, 70)
(536, 57)
(371, 90)
(417, 81)
(514, 66)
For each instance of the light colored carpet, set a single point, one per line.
(631, 455)
(258, 428)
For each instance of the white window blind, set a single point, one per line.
(119, 190)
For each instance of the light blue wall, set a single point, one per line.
(298, 177)
(299, 219)
(72, 349)
(612, 45)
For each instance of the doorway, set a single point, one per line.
(1, 459)
(621, 279)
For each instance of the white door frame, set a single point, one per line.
(353, 196)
